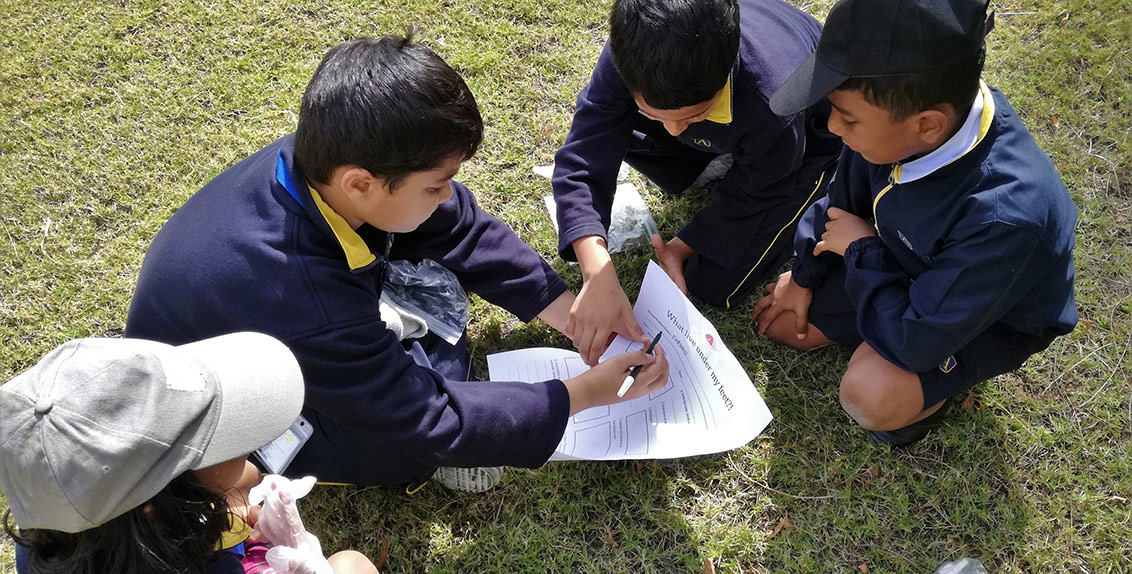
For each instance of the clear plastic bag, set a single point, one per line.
(630, 225)
(962, 566)
(428, 291)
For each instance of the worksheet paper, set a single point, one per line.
(708, 405)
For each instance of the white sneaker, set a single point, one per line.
(477, 479)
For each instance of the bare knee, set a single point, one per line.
(783, 330)
(861, 399)
(351, 562)
(878, 394)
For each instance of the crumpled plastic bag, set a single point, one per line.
(630, 223)
(427, 291)
(293, 549)
(962, 566)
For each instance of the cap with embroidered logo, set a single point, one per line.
(99, 426)
(873, 38)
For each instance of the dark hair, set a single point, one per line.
(674, 53)
(909, 94)
(176, 532)
(387, 105)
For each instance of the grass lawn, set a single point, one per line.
(113, 113)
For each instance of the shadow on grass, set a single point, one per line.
(811, 494)
(851, 502)
(835, 500)
(564, 517)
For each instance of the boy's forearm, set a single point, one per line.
(593, 256)
(557, 314)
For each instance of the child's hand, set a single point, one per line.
(599, 385)
(842, 229)
(784, 295)
(600, 310)
(672, 256)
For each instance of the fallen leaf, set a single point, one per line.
(971, 402)
(384, 553)
(709, 568)
(640, 468)
(783, 524)
(863, 567)
(1065, 18)
(1056, 122)
(867, 476)
(609, 537)
(1087, 324)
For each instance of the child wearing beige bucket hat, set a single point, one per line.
(125, 455)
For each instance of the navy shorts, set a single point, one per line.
(995, 351)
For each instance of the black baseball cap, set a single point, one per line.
(873, 38)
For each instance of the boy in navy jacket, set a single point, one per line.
(293, 242)
(680, 83)
(943, 253)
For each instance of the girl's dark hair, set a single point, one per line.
(674, 53)
(176, 532)
(387, 105)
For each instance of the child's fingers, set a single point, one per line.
(802, 323)
(626, 361)
(767, 316)
(760, 305)
(586, 343)
(658, 370)
(631, 329)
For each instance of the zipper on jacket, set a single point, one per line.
(892, 177)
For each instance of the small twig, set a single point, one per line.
(775, 490)
(1128, 340)
(1062, 375)
(941, 514)
(892, 554)
(43, 241)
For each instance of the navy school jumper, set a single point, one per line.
(754, 209)
(246, 253)
(986, 239)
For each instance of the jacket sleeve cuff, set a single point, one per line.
(804, 275)
(866, 252)
(555, 286)
(558, 416)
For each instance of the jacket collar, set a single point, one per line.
(721, 112)
(970, 134)
(290, 177)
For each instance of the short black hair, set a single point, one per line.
(674, 53)
(388, 105)
(905, 95)
(176, 531)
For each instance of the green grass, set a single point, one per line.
(112, 114)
